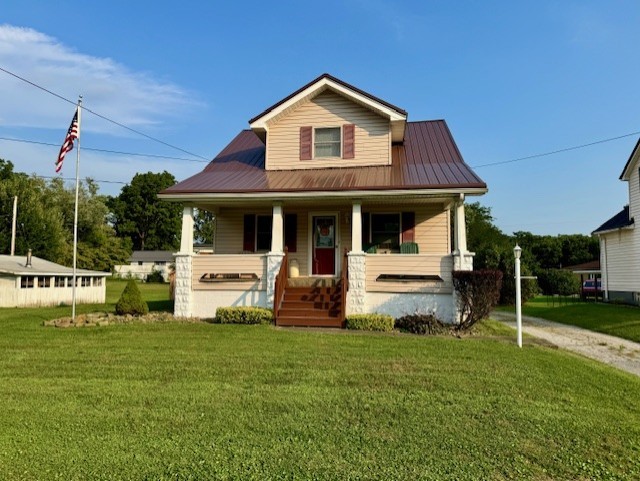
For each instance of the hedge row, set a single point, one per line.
(243, 315)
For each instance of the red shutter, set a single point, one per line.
(290, 232)
(349, 141)
(408, 226)
(306, 135)
(249, 240)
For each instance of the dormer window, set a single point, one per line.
(327, 142)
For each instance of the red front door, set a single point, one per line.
(324, 245)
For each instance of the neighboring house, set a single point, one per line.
(28, 281)
(331, 204)
(620, 241)
(143, 263)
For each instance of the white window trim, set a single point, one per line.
(313, 142)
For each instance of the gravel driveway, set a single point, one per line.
(611, 350)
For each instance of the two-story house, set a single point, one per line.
(620, 241)
(331, 203)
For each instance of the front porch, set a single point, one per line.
(308, 261)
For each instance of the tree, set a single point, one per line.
(204, 223)
(46, 218)
(139, 215)
(38, 228)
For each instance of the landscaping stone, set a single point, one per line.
(102, 319)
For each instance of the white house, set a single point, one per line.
(143, 263)
(28, 281)
(620, 241)
(332, 203)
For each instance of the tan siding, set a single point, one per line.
(372, 134)
(422, 264)
(230, 229)
(229, 264)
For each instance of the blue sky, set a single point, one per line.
(512, 79)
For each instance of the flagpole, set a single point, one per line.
(75, 215)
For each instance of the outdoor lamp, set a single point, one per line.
(517, 250)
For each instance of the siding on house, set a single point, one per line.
(372, 134)
(621, 261)
(403, 264)
(230, 264)
(634, 193)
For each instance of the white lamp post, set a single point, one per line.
(517, 251)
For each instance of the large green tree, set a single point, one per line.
(138, 214)
(46, 217)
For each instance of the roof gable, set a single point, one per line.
(395, 115)
(633, 158)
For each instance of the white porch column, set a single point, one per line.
(277, 230)
(462, 258)
(357, 294)
(460, 231)
(183, 304)
(186, 239)
(356, 226)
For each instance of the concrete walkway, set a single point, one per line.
(611, 350)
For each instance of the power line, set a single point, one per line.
(567, 149)
(73, 178)
(155, 156)
(33, 84)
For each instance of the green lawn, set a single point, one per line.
(178, 401)
(617, 320)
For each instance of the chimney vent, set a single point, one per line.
(28, 258)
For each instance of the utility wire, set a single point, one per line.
(567, 149)
(100, 115)
(155, 156)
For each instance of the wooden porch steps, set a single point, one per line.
(310, 306)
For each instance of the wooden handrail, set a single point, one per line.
(344, 286)
(282, 279)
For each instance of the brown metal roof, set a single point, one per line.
(336, 80)
(427, 159)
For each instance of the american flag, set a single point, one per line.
(67, 146)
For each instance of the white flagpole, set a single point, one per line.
(75, 215)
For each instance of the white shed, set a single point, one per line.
(30, 282)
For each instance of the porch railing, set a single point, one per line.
(344, 286)
(282, 280)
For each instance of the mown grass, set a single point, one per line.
(186, 401)
(614, 319)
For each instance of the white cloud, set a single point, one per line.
(109, 88)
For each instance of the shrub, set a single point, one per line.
(243, 315)
(155, 276)
(370, 322)
(421, 324)
(558, 281)
(131, 301)
(477, 292)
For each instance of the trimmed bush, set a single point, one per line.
(131, 301)
(477, 293)
(558, 281)
(421, 324)
(156, 277)
(243, 315)
(370, 322)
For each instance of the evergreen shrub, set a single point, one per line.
(131, 301)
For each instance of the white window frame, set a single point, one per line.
(340, 142)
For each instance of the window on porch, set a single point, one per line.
(258, 230)
(386, 232)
